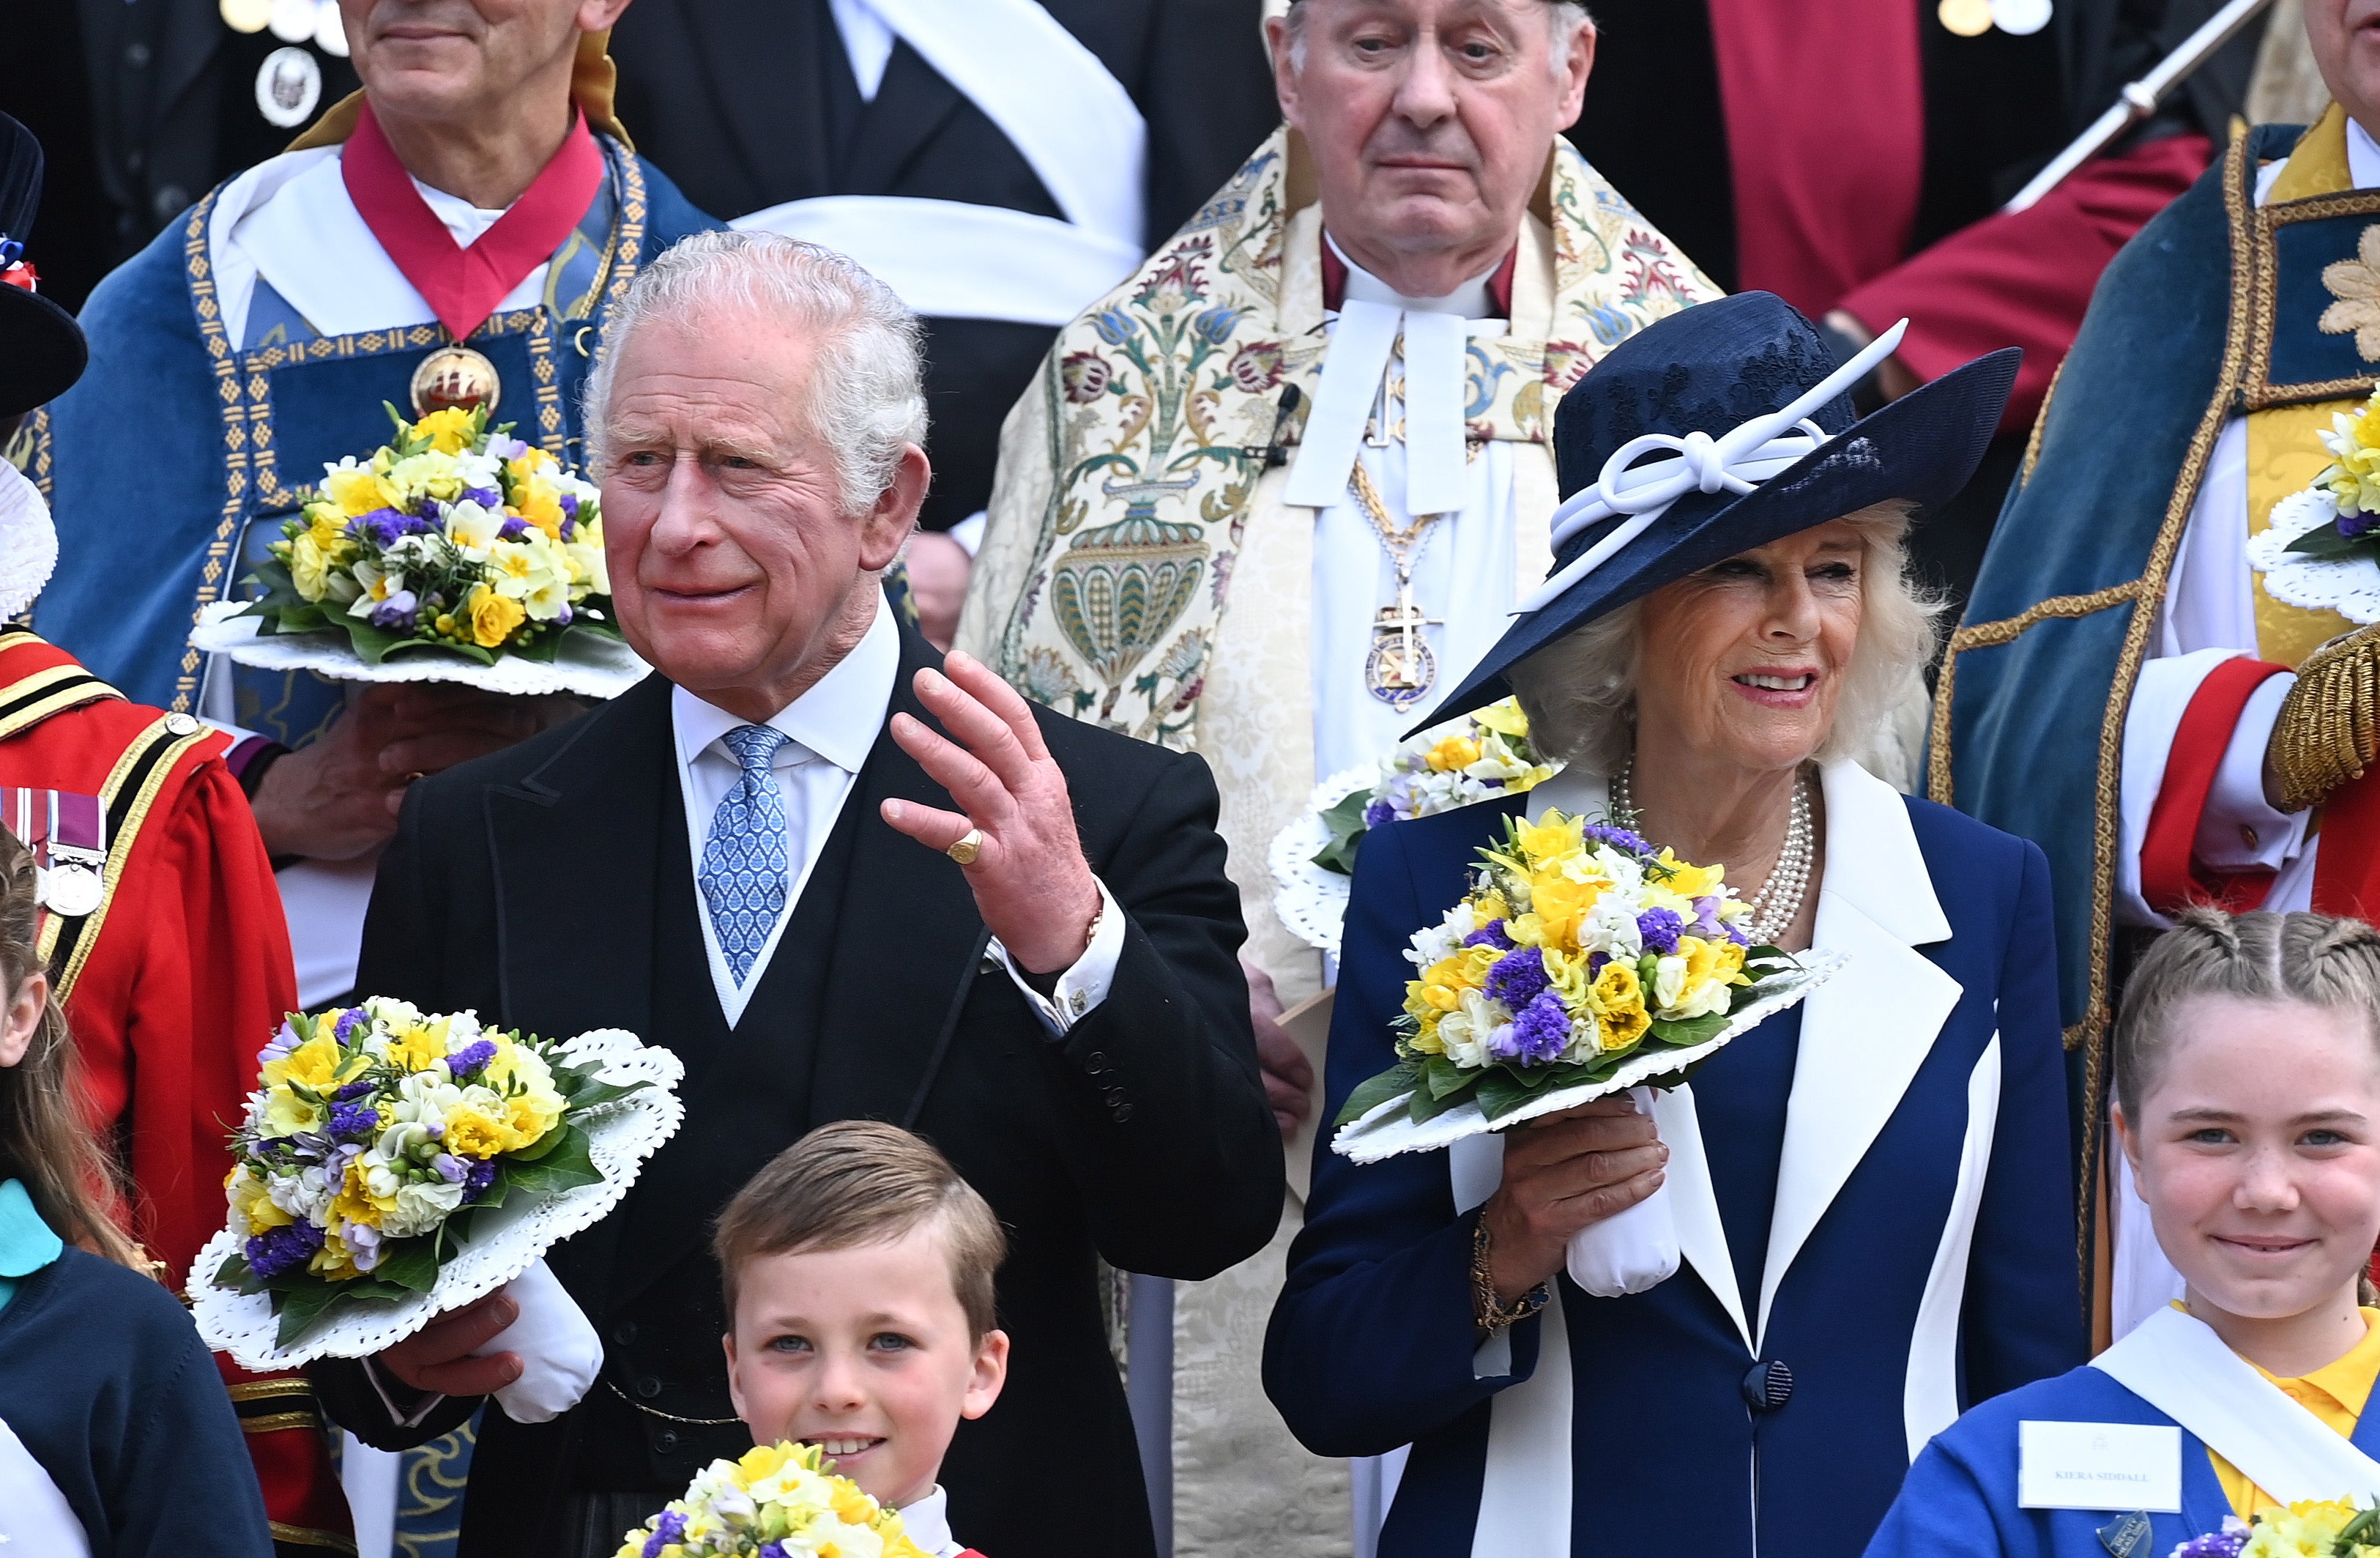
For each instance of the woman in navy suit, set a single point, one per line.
(1872, 1191)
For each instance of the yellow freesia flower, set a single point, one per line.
(1504, 718)
(493, 616)
(471, 1134)
(1548, 838)
(1691, 881)
(1559, 902)
(359, 490)
(541, 505)
(417, 1049)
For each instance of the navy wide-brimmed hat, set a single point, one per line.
(1752, 421)
(41, 350)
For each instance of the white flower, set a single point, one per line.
(1467, 1032)
(1668, 983)
(1610, 928)
(1433, 943)
(421, 1205)
(588, 567)
(473, 530)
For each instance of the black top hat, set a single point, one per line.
(42, 349)
(1688, 387)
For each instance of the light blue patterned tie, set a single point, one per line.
(743, 875)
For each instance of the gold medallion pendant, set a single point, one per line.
(1400, 668)
(456, 378)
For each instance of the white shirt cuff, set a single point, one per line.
(402, 1419)
(2239, 830)
(968, 532)
(1081, 988)
(1492, 1359)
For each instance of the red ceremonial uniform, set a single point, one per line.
(171, 985)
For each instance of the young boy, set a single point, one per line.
(858, 1269)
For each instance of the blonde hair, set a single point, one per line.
(1579, 691)
(2312, 959)
(859, 1182)
(44, 1142)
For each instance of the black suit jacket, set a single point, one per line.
(748, 104)
(521, 885)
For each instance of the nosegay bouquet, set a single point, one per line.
(1486, 755)
(2309, 1528)
(451, 536)
(777, 1502)
(379, 1134)
(1582, 961)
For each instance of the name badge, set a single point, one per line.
(2099, 1466)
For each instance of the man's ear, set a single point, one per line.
(887, 526)
(1580, 66)
(1284, 71)
(991, 1373)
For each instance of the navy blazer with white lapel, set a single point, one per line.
(1921, 1256)
(1960, 1498)
(521, 885)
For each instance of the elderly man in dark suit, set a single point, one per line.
(1041, 976)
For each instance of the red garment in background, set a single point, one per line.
(2024, 279)
(1826, 140)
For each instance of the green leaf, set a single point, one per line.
(411, 1264)
(601, 627)
(1444, 1077)
(233, 1272)
(1425, 1107)
(1500, 1092)
(2327, 542)
(1369, 1094)
(594, 1095)
(1686, 1033)
(562, 1167)
(539, 649)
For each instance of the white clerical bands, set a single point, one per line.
(1735, 461)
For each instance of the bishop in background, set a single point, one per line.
(1312, 432)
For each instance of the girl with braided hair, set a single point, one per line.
(2247, 1104)
(117, 1439)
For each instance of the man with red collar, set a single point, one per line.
(477, 193)
(1310, 438)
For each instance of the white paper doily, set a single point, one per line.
(2349, 586)
(1311, 901)
(504, 1242)
(1386, 1130)
(586, 664)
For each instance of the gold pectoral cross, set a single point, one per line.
(1401, 670)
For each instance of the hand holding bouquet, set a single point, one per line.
(1581, 947)
(452, 536)
(385, 1145)
(777, 1502)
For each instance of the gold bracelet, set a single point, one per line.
(2329, 732)
(1487, 1312)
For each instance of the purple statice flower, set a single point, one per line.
(352, 1091)
(1660, 928)
(1518, 977)
(353, 1122)
(1619, 838)
(1537, 1035)
(1379, 811)
(2214, 1544)
(385, 527)
(398, 613)
(486, 497)
(349, 1020)
(450, 1168)
(1595, 962)
(476, 1180)
(472, 1059)
(773, 1550)
(429, 508)
(513, 529)
(2353, 526)
(276, 1250)
(569, 502)
(668, 1528)
(1490, 934)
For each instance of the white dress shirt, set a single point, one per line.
(1462, 577)
(832, 728)
(928, 1523)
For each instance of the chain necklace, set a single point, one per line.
(1779, 902)
(1400, 669)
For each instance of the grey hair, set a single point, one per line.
(1579, 691)
(2312, 959)
(1563, 16)
(865, 399)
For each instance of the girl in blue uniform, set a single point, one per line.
(117, 1439)
(2248, 1104)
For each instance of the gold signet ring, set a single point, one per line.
(965, 850)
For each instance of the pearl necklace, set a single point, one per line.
(1779, 902)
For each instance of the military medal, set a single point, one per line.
(1400, 668)
(68, 836)
(455, 377)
